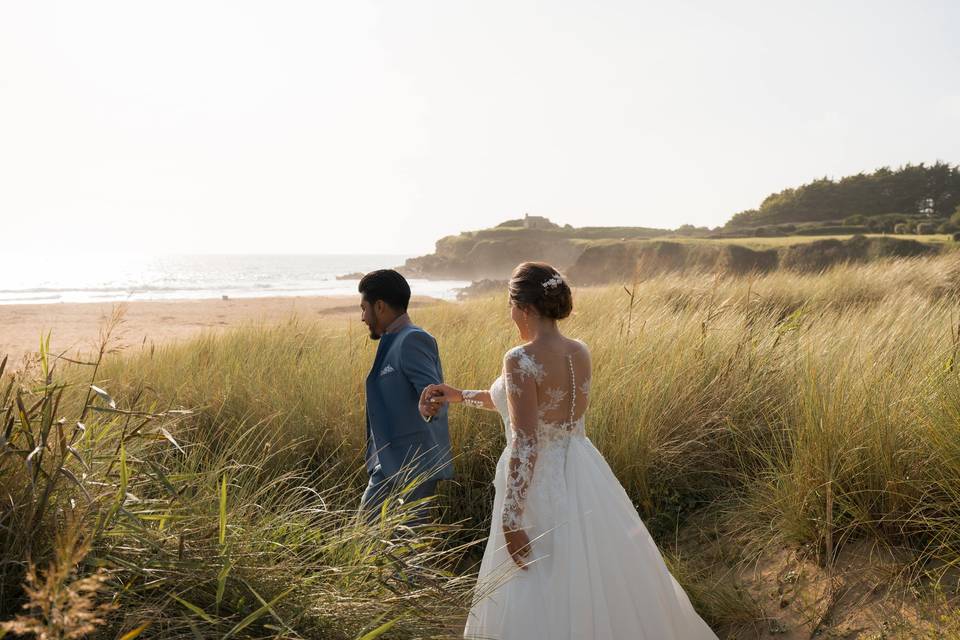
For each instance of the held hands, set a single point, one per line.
(518, 546)
(434, 396)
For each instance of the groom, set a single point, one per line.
(404, 438)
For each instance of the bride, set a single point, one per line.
(567, 556)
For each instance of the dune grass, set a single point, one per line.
(814, 410)
(125, 518)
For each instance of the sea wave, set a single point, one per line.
(98, 278)
(432, 288)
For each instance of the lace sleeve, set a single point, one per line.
(478, 399)
(521, 374)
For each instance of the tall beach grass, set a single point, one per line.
(808, 409)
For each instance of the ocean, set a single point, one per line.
(107, 277)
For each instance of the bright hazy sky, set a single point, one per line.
(377, 127)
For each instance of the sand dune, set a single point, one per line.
(75, 327)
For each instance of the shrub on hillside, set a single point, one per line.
(902, 227)
(740, 260)
(822, 254)
(814, 256)
(926, 228)
(896, 248)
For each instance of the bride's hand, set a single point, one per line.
(518, 546)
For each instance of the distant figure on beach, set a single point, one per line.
(404, 438)
(567, 555)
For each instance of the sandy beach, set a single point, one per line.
(75, 327)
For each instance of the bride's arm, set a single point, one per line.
(519, 376)
(444, 393)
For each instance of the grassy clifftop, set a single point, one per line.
(915, 200)
(608, 262)
(493, 253)
(599, 255)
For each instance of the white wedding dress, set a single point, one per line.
(594, 572)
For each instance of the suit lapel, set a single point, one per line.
(383, 347)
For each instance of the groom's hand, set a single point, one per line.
(429, 409)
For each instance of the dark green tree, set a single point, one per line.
(929, 191)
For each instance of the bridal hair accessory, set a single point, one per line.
(555, 281)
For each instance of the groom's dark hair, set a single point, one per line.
(386, 285)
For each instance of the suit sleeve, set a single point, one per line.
(420, 361)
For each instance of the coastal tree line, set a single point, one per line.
(918, 192)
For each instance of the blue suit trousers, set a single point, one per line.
(380, 487)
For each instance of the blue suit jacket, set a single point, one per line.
(406, 362)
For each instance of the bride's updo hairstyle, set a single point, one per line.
(541, 287)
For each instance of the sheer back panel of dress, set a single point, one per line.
(563, 384)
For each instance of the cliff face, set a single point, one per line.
(493, 259)
(493, 253)
(624, 261)
(599, 255)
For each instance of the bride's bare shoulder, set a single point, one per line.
(583, 353)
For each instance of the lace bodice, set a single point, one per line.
(543, 406)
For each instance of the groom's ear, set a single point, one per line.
(384, 311)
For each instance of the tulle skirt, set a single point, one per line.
(594, 573)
